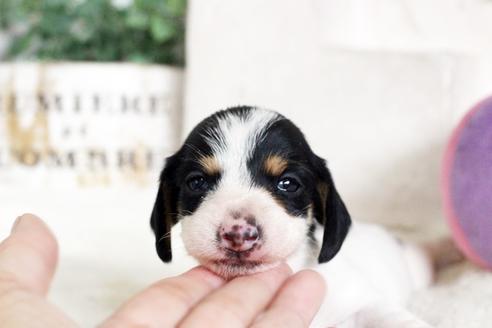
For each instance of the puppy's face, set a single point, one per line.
(248, 191)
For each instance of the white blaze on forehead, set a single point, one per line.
(238, 136)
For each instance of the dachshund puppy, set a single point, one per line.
(250, 193)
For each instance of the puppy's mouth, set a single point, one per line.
(239, 255)
(237, 264)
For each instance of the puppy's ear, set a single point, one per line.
(331, 213)
(164, 214)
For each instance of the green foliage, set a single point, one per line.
(149, 31)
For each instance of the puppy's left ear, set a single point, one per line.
(331, 213)
(164, 213)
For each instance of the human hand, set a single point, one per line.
(196, 298)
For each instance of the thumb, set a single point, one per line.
(27, 263)
(29, 255)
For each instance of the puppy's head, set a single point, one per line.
(248, 192)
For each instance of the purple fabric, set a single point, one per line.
(471, 181)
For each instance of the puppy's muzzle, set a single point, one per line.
(239, 236)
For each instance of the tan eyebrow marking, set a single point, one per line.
(275, 165)
(210, 164)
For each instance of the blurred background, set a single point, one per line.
(94, 94)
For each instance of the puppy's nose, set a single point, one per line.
(238, 236)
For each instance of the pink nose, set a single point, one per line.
(239, 237)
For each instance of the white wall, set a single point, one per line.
(376, 85)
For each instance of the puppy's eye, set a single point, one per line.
(288, 185)
(197, 183)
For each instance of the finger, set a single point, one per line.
(28, 256)
(296, 303)
(166, 302)
(237, 303)
(27, 262)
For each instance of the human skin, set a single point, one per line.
(28, 259)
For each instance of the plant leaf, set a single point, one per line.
(176, 7)
(137, 19)
(162, 29)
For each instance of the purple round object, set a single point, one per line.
(467, 184)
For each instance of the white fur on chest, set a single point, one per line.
(372, 267)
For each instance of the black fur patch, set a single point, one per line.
(285, 140)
